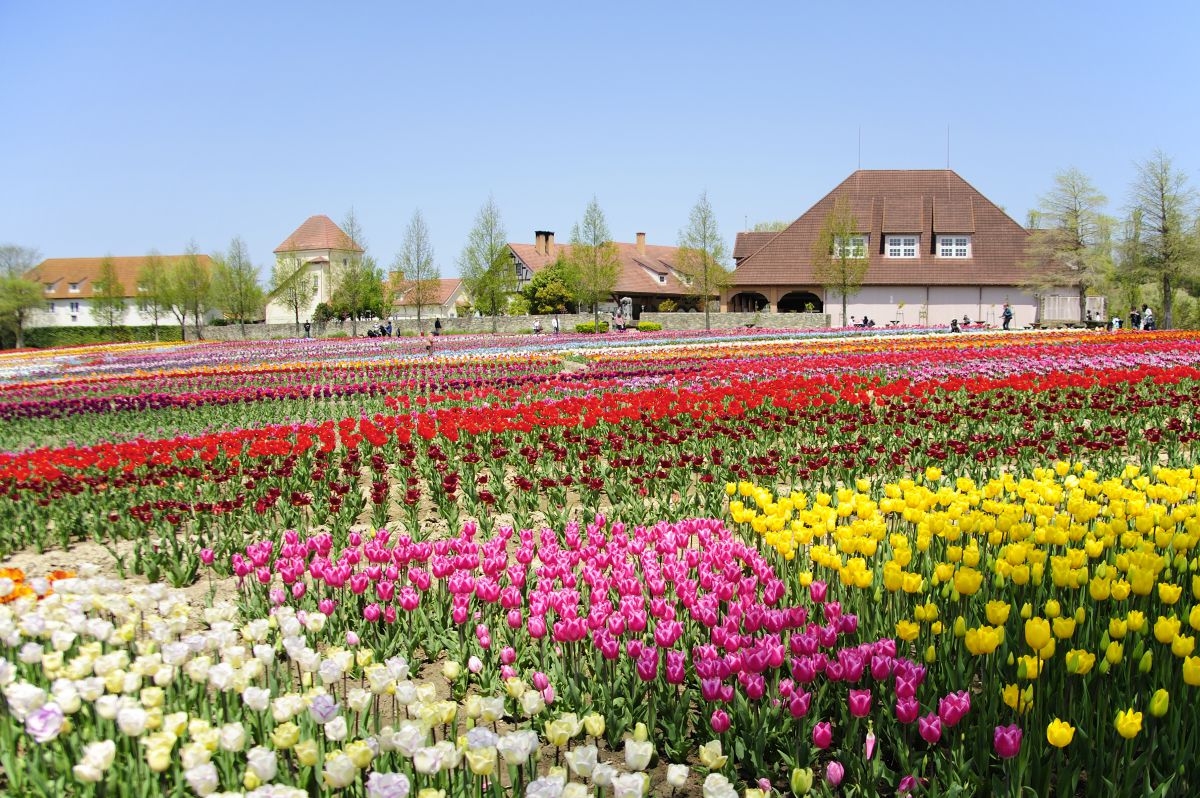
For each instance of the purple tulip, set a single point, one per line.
(834, 773)
(1008, 741)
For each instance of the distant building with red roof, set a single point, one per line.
(69, 286)
(648, 273)
(443, 303)
(315, 251)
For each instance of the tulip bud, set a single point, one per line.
(1104, 666)
(640, 734)
(931, 655)
(802, 780)
(1159, 703)
(1146, 663)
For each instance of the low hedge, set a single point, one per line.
(649, 326)
(590, 327)
(45, 337)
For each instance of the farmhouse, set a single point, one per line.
(69, 286)
(938, 250)
(444, 300)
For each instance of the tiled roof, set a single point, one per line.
(639, 272)
(749, 242)
(318, 232)
(446, 288)
(925, 201)
(62, 272)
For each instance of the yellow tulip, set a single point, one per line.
(1128, 723)
(1165, 629)
(1037, 633)
(1063, 627)
(1060, 733)
(907, 630)
(1191, 671)
(1183, 645)
(997, 612)
(1159, 703)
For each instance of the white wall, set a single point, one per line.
(322, 273)
(882, 304)
(63, 317)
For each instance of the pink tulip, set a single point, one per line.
(371, 612)
(930, 728)
(508, 655)
(720, 721)
(860, 703)
(869, 747)
(907, 710)
(822, 735)
(540, 680)
(817, 591)
(1008, 741)
(207, 556)
(834, 773)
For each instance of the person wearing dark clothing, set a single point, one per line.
(307, 328)
(389, 328)
(954, 326)
(437, 328)
(1007, 315)
(1135, 319)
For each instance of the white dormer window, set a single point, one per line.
(901, 246)
(954, 246)
(49, 287)
(853, 247)
(73, 288)
(662, 278)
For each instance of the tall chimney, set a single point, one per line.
(539, 242)
(641, 243)
(550, 244)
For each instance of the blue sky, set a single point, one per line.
(132, 126)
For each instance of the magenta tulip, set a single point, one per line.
(720, 721)
(860, 703)
(930, 727)
(1008, 741)
(822, 735)
(834, 773)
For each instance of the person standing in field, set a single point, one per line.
(556, 324)
(1007, 315)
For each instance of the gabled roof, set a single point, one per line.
(62, 272)
(639, 272)
(885, 201)
(445, 290)
(318, 232)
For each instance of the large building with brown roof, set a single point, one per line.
(444, 302)
(69, 287)
(313, 252)
(648, 273)
(938, 250)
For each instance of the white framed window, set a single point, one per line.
(49, 287)
(74, 318)
(901, 246)
(853, 246)
(73, 288)
(954, 246)
(662, 278)
(49, 307)
(74, 307)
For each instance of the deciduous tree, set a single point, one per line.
(190, 290)
(108, 295)
(19, 295)
(487, 269)
(292, 286)
(839, 256)
(236, 291)
(153, 289)
(550, 290)
(1167, 204)
(702, 256)
(594, 263)
(359, 281)
(419, 281)
(1071, 243)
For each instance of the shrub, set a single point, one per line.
(590, 327)
(44, 337)
(649, 326)
(338, 334)
(666, 306)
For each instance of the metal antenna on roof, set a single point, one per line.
(860, 147)
(947, 145)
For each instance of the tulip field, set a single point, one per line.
(893, 562)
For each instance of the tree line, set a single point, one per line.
(185, 290)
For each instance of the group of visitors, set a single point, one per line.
(537, 326)
(1138, 320)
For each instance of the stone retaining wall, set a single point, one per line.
(469, 324)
